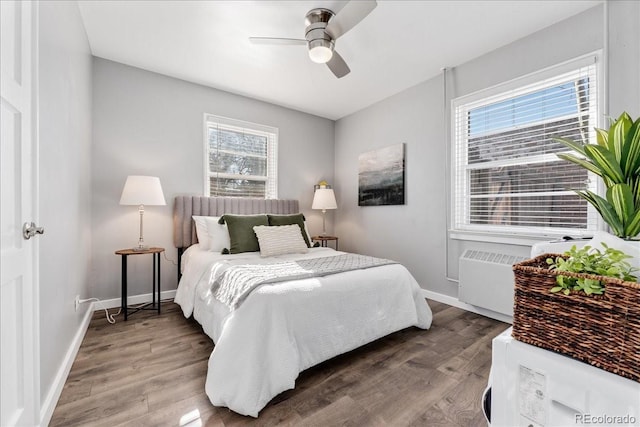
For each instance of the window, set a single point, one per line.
(507, 177)
(241, 159)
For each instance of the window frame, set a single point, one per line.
(272, 133)
(460, 226)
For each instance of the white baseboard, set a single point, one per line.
(132, 300)
(51, 400)
(455, 302)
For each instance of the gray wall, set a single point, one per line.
(413, 234)
(149, 124)
(65, 180)
(624, 57)
(416, 233)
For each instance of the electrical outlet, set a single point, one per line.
(77, 302)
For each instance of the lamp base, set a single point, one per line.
(141, 246)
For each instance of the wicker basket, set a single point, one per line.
(602, 330)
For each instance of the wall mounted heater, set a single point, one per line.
(486, 280)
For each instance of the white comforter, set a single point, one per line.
(284, 328)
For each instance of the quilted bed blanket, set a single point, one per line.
(237, 281)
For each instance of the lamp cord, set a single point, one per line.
(110, 317)
(164, 254)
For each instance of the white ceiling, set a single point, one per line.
(400, 44)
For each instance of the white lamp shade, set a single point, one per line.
(324, 199)
(142, 190)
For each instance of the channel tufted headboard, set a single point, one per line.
(184, 230)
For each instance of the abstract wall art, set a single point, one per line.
(381, 176)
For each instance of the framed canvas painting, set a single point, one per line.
(381, 176)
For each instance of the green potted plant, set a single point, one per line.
(592, 261)
(616, 159)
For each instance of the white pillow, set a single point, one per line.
(218, 234)
(215, 237)
(280, 239)
(306, 230)
(201, 231)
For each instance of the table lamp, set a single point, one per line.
(324, 199)
(140, 191)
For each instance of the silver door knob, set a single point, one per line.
(29, 230)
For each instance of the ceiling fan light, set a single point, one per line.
(320, 51)
(320, 54)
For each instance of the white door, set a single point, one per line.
(19, 360)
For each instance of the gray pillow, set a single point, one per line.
(290, 220)
(241, 234)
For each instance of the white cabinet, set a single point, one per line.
(534, 387)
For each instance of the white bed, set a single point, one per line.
(284, 328)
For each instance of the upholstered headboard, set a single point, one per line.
(184, 231)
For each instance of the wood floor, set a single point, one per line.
(151, 370)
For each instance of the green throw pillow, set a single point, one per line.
(241, 234)
(290, 220)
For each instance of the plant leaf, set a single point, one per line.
(617, 133)
(602, 137)
(608, 182)
(632, 143)
(575, 146)
(605, 210)
(606, 161)
(635, 189)
(581, 162)
(632, 228)
(621, 199)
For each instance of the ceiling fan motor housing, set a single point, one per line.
(315, 34)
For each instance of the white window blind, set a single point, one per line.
(240, 158)
(506, 175)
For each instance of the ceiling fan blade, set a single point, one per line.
(277, 41)
(337, 65)
(352, 13)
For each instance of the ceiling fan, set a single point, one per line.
(323, 29)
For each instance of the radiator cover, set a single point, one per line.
(486, 280)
